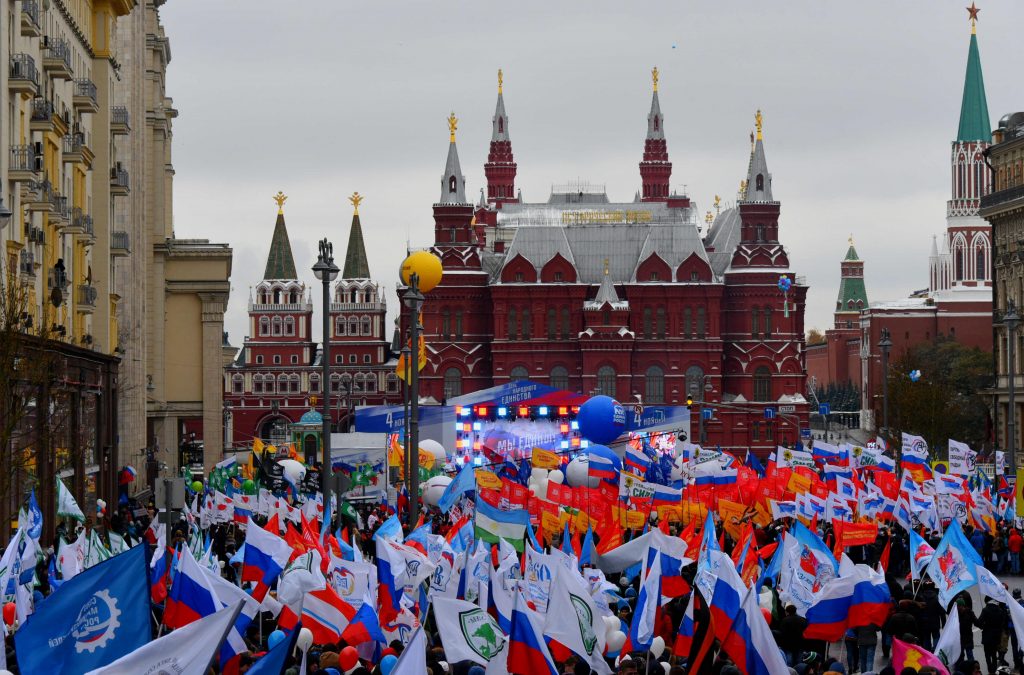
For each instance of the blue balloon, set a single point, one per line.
(387, 664)
(602, 419)
(275, 638)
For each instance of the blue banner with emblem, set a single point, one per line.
(92, 620)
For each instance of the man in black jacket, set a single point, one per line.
(992, 622)
(791, 635)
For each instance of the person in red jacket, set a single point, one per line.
(1014, 545)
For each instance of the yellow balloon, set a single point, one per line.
(426, 266)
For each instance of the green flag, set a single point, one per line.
(66, 504)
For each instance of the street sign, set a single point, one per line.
(707, 413)
(787, 409)
(824, 408)
(805, 433)
(769, 413)
(638, 410)
(169, 492)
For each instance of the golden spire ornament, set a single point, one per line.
(758, 122)
(709, 218)
(453, 124)
(280, 198)
(356, 199)
(850, 239)
(500, 80)
(654, 77)
(718, 204)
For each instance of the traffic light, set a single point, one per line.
(689, 400)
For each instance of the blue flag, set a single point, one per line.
(392, 528)
(273, 662)
(754, 463)
(92, 620)
(954, 565)
(34, 526)
(464, 482)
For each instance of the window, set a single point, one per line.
(655, 276)
(370, 383)
(294, 382)
(958, 256)
(353, 326)
(276, 325)
(346, 382)
(392, 383)
(295, 358)
(264, 325)
(527, 325)
(769, 432)
(259, 360)
(268, 384)
(501, 125)
(351, 358)
(446, 324)
(760, 181)
(452, 382)
(519, 373)
(277, 359)
(660, 323)
(452, 184)
(700, 322)
(451, 230)
(606, 381)
(338, 358)
(366, 325)
(314, 384)
(979, 263)
(519, 276)
(767, 322)
(755, 324)
(606, 315)
(339, 326)
(458, 324)
(687, 322)
(647, 323)
(366, 358)
(694, 276)
(755, 430)
(237, 384)
(759, 233)
(565, 323)
(513, 328)
(289, 325)
(762, 384)
(552, 320)
(257, 384)
(335, 384)
(559, 378)
(358, 383)
(558, 277)
(654, 385)
(695, 382)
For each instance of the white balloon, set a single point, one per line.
(578, 472)
(657, 646)
(542, 488)
(556, 476)
(616, 640)
(612, 623)
(293, 471)
(436, 449)
(434, 488)
(539, 474)
(304, 639)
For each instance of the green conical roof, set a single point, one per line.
(356, 265)
(280, 263)
(974, 119)
(851, 253)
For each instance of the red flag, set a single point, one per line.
(883, 560)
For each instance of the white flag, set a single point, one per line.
(413, 660)
(948, 646)
(961, 458)
(186, 651)
(66, 504)
(574, 621)
(467, 632)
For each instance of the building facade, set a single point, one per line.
(275, 379)
(630, 299)
(836, 360)
(1003, 207)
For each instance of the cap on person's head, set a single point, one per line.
(1016, 592)
(960, 602)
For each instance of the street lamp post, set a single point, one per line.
(414, 302)
(326, 271)
(1011, 320)
(885, 344)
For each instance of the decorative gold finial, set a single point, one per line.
(718, 204)
(708, 218)
(654, 77)
(743, 187)
(356, 200)
(500, 80)
(850, 239)
(972, 13)
(606, 266)
(759, 121)
(280, 198)
(453, 124)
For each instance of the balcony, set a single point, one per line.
(1001, 197)
(59, 215)
(25, 164)
(119, 244)
(24, 76)
(119, 121)
(119, 182)
(85, 231)
(57, 58)
(86, 298)
(27, 264)
(42, 115)
(74, 145)
(76, 223)
(30, 26)
(85, 96)
(36, 196)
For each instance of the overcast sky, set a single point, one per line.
(320, 98)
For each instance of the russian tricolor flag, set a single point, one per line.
(363, 627)
(832, 472)
(191, 597)
(684, 638)
(266, 555)
(712, 473)
(664, 495)
(527, 652)
(858, 599)
(390, 565)
(603, 463)
(636, 461)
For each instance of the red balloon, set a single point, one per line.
(767, 614)
(348, 658)
(10, 613)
